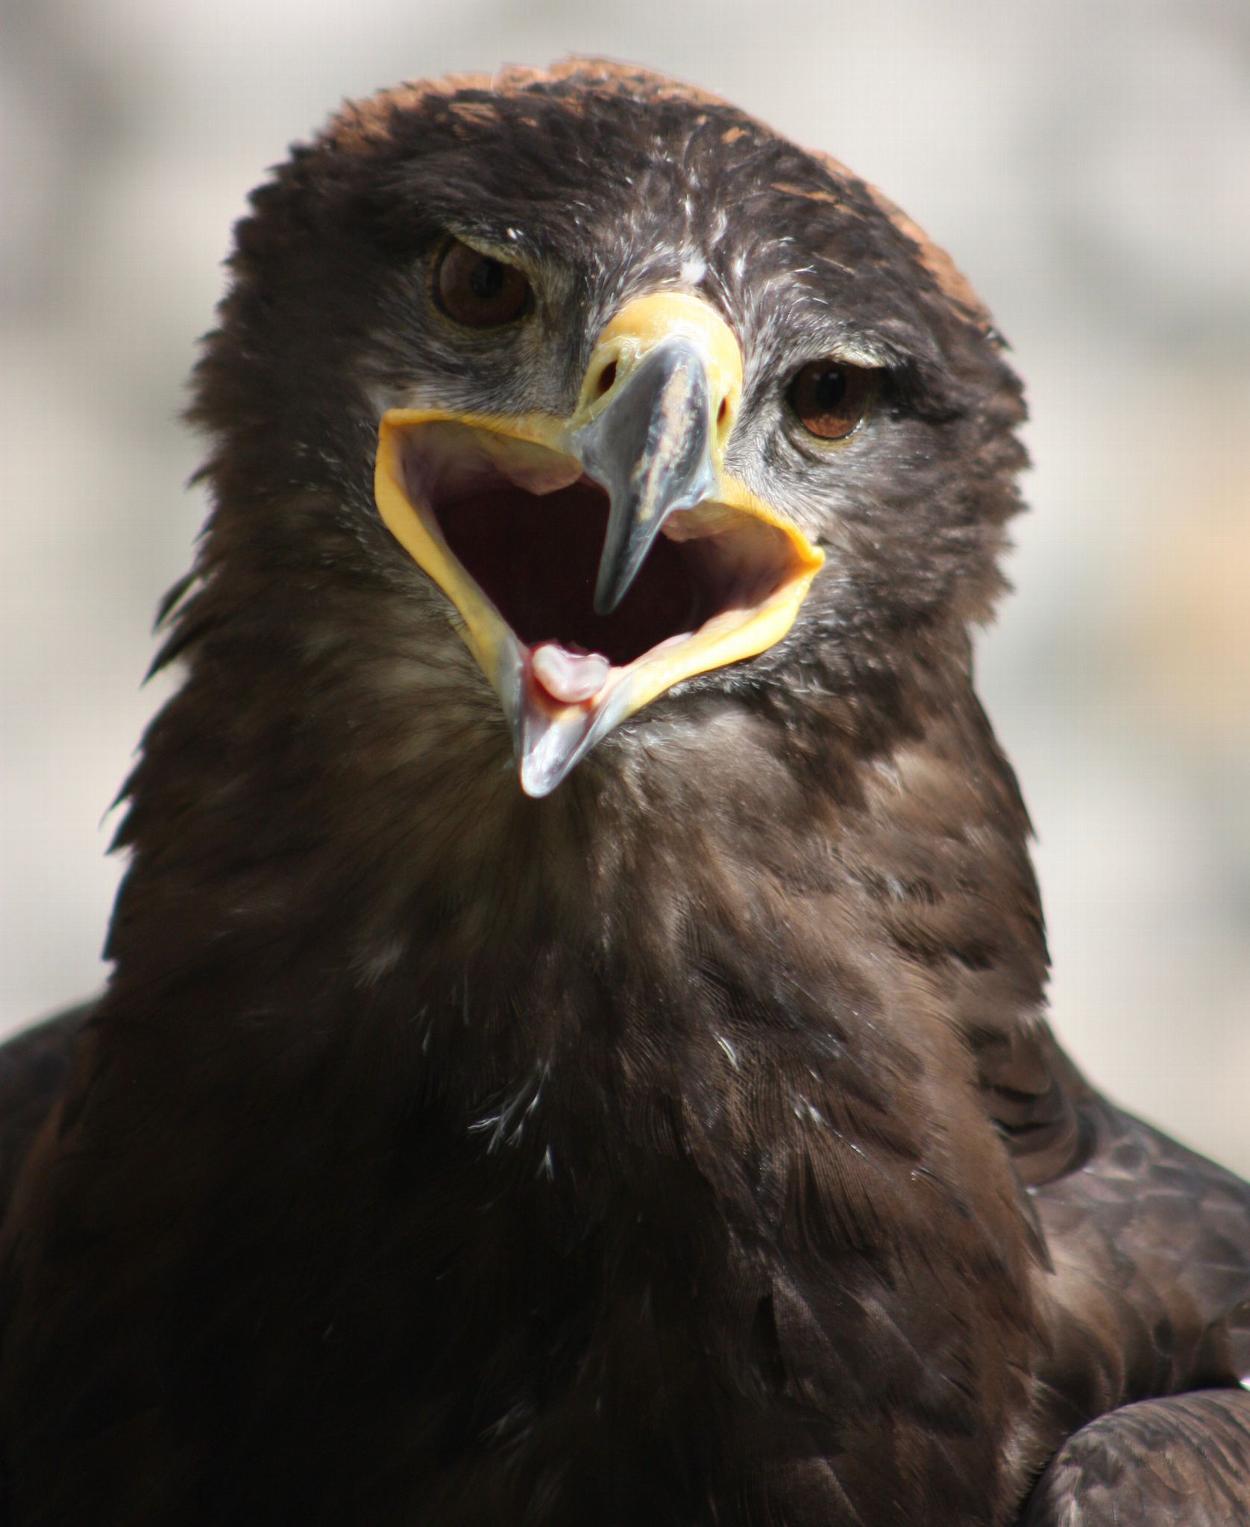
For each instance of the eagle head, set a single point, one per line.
(576, 413)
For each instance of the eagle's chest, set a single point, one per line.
(690, 1270)
(480, 1336)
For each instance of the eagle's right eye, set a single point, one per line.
(477, 290)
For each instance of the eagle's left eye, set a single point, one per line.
(477, 290)
(831, 397)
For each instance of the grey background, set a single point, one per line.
(1088, 166)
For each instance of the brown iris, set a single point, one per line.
(831, 398)
(477, 290)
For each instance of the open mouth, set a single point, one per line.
(525, 527)
(598, 560)
(505, 518)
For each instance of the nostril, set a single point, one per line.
(722, 413)
(606, 377)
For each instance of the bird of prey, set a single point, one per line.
(576, 1049)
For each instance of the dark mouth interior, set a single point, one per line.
(535, 559)
(536, 555)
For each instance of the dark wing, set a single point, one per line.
(1149, 1296)
(1159, 1463)
(34, 1067)
(1151, 1249)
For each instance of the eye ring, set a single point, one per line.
(831, 398)
(476, 290)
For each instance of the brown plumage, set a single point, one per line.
(685, 1144)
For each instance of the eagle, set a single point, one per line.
(576, 1048)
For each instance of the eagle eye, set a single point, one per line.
(477, 290)
(831, 397)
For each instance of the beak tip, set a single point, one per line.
(536, 790)
(538, 778)
(608, 595)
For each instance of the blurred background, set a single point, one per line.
(1089, 168)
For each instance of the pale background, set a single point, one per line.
(1088, 165)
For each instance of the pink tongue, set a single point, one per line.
(569, 677)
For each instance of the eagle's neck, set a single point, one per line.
(853, 873)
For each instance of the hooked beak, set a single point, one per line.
(515, 517)
(652, 451)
